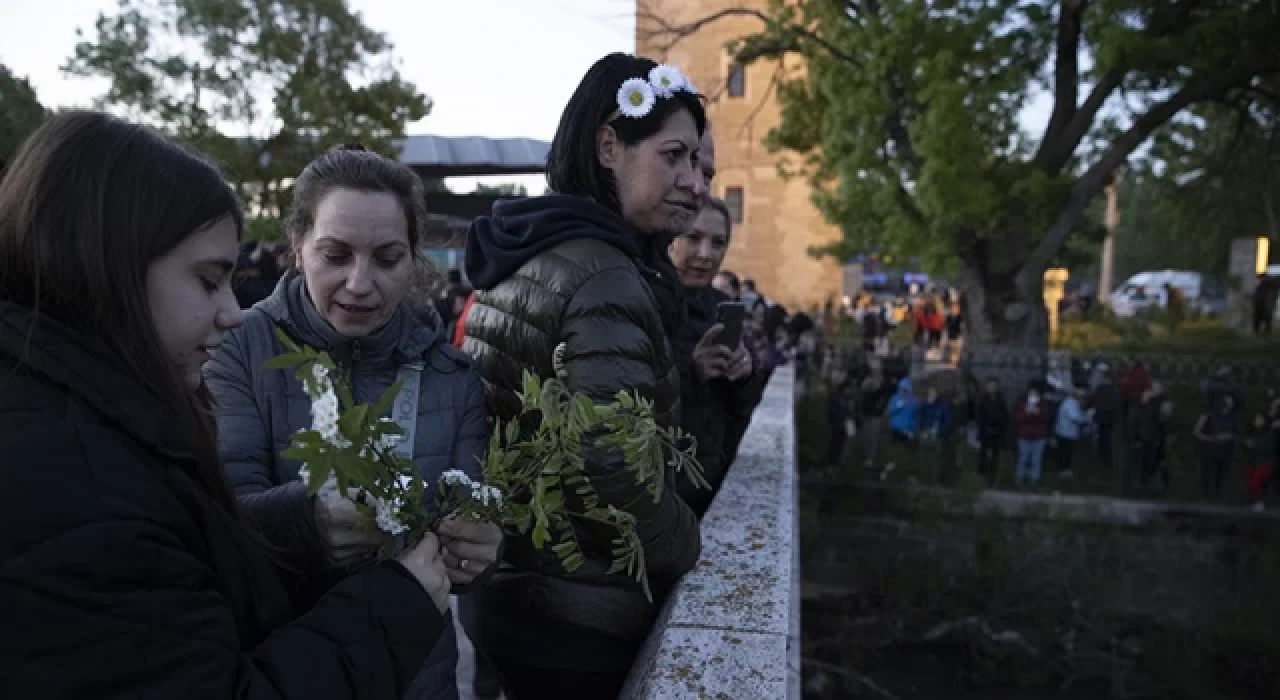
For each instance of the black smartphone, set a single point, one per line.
(730, 315)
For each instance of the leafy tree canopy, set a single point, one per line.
(20, 113)
(909, 118)
(262, 86)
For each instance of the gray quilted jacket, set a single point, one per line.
(259, 409)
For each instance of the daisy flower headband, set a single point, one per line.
(637, 96)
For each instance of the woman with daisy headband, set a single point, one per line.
(577, 284)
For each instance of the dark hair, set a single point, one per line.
(572, 164)
(718, 205)
(89, 203)
(352, 167)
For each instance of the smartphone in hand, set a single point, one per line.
(730, 315)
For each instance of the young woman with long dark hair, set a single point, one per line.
(124, 568)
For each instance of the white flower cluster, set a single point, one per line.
(388, 442)
(480, 493)
(324, 408)
(637, 96)
(388, 511)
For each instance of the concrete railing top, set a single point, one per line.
(731, 627)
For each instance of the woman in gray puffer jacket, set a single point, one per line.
(354, 228)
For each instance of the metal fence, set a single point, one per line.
(1107, 460)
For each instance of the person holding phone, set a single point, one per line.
(718, 384)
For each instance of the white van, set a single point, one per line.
(1146, 289)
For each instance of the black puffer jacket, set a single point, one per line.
(560, 270)
(715, 413)
(121, 578)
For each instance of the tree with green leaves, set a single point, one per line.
(909, 119)
(20, 113)
(261, 86)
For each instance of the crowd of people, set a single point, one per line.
(1124, 416)
(159, 543)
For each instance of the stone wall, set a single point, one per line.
(731, 627)
(779, 222)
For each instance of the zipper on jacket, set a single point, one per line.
(351, 372)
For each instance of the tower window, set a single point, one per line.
(737, 80)
(733, 201)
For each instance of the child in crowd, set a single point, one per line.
(1261, 445)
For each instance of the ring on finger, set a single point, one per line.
(462, 564)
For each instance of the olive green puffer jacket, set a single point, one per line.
(559, 270)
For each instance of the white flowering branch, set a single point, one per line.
(534, 481)
(352, 446)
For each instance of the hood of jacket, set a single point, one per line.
(519, 229)
(406, 336)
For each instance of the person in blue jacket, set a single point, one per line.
(935, 415)
(902, 412)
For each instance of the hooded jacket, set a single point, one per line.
(121, 578)
(902, 409)
(564, 272)
(259, 409)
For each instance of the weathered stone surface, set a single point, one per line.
(731, 628)
(714, 663)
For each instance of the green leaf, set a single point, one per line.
(387, 400)
(286, 341)
(352, 422)
(287, 360)
(572, 562)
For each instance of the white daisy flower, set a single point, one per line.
(635, 98)
(666, 80)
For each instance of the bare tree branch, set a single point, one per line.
(764, 98)
(1096, 177)
(895, 124)
(1066, 74)
(1060, 143)
(1055, 152)
(667, 35)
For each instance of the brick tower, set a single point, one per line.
(775, 221)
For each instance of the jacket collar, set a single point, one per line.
(90, 370)
(406, 336)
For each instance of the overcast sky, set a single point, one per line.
(492, 67)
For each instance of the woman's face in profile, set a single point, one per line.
(189, 291)
(660, 183)
(356, 260)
